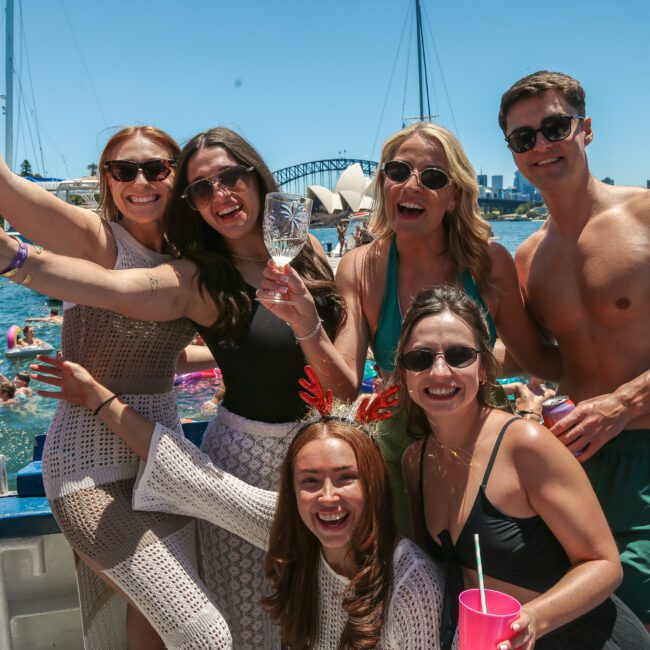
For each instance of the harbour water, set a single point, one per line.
(31, 416)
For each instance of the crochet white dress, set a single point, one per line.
(181, 479)
(89, 474)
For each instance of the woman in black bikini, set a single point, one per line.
(552, 550)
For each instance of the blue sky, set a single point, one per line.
(306, 80)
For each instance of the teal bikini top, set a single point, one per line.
(390, 318)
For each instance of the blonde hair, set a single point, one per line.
(467, 232)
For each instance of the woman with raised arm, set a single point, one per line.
(479, 470)
(136, 358)
(429, 232)
(214, 223)
(339, 575)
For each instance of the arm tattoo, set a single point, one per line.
(154, 283)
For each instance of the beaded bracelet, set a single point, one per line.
(103, 404)
(310, 335)
(18, 260)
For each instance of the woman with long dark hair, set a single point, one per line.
(214, 224)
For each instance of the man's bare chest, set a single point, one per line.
(603, 283)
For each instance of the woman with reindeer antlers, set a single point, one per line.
(340, 575)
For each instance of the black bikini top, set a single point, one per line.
(520, 550)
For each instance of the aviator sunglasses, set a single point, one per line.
(234, 179)
(553, 128)
(125, 171)
(459, 356)
(399, 171)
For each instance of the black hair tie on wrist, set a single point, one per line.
(528, 412)
(103, 404)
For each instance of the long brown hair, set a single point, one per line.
(433, 301)
(194, 239)
(107, 208)
(292, 561)
(468, 234)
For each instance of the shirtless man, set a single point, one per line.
(53, 318)
(341, 227)
(585, 276)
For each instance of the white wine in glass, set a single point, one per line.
(285, 227)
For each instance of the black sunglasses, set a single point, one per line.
(460, 356)
(125, 171)
(553, 128)
(399, 171)
(235, 179)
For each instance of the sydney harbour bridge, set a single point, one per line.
(297, 178)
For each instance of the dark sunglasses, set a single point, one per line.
(553, 128)
(459, 356)
(399, 171)
(125, 171)
(234, 179)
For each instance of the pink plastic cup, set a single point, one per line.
(479, 631)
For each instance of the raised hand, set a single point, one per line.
(76, 383)
(300, 313)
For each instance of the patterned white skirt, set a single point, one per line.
(231, 568)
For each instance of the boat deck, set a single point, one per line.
(39, 602)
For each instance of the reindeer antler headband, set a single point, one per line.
(371, 409)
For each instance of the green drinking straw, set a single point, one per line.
(479, 567)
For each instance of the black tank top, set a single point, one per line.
(262, 369)
(520, 550)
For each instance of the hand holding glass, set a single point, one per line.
(286, 228)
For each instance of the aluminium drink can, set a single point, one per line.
(555, 408)
(4, 484)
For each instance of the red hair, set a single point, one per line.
(107, 207)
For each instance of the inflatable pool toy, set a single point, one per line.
(369, 375)
(28, 350)
(191, 377)
(13, 336)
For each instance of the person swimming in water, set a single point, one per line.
(53, 318)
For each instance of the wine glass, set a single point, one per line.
(285, 228)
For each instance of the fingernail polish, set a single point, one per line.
(284, 278)
(515, 627)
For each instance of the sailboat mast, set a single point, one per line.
(418, 23)
(9, 93)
